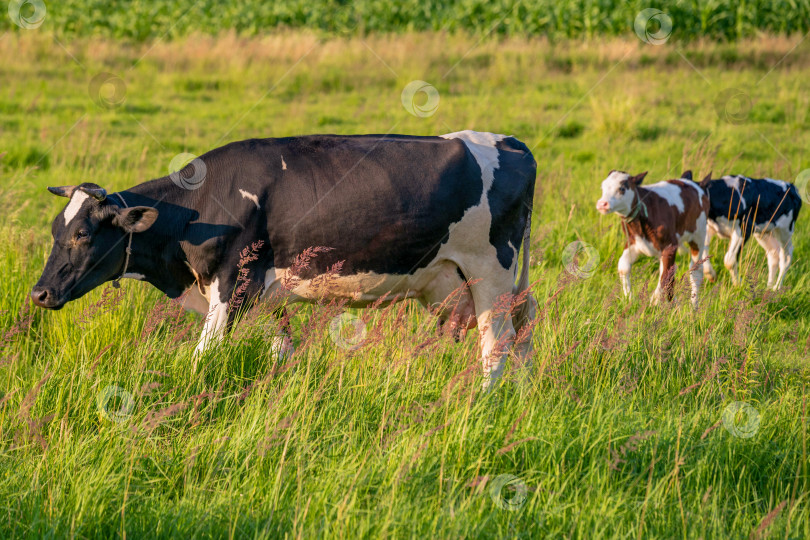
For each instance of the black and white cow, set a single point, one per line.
(410, 216)
(742, 206)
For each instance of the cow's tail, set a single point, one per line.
(523, 310)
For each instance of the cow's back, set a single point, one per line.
(383, 203)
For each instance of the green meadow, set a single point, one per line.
(636, 421)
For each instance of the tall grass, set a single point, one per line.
(106, 431)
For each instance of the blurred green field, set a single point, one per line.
(105, 431)
(557, 19)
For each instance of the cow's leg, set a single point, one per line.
(785, 258)
(216, 320)
(730, 260)
(520, 319)
(492, 302)
(772, 248)
(629, 256)
(708, 269)
(666, 278)
(282, 346)
(695, 271)
(229, 295)
(274, 293)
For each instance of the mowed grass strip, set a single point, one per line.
(105, 430)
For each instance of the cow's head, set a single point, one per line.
(89, 244)
(618, 192)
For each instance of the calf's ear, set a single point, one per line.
(136, 219)
(687, 174)
(637, 179)
(705, 182)
(62, 191)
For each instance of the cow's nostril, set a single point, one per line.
(40, 296)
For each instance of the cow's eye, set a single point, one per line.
(621, 191)
(82, 234)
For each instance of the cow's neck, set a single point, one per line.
(638, 210)
(157, 252)
(160, 261)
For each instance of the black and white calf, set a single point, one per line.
(765, 208)
(401, 215)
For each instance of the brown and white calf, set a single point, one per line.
(656, 220)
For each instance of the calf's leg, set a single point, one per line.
(666, 280)
(708, 269)
(626, 261)
(695, 271)
(733, 254)
(785, 257)
(772, 248)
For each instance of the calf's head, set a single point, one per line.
(618, 192)
(89, 244)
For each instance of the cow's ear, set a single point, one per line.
(639, 178)
(705, 182)
(136, 219)
(98, 193)
(687, 174)
(62, 191)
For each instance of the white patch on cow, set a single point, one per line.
(782, 223)
(482, 147)
(723, 227)
(733, 182)
(75, 204)
(133, 275)
(215, 320)
(669, 192)
(251, 196)
(646, 247)
(698, 236)
(283, 164)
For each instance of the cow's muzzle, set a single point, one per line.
(603, 206)
(45, 298)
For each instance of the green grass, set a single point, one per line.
(617, 433)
